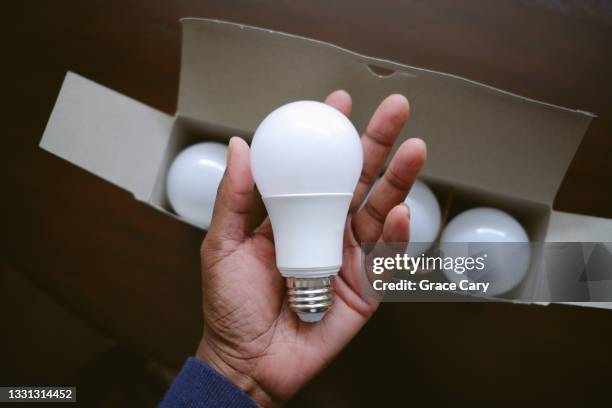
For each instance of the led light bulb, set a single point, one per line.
(193, 180)
(306, 159)
(505, 265)
(425, 218)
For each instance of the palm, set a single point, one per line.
(287, 351)
(251, 334)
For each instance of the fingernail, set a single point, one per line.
(407, 209)
(229, 149)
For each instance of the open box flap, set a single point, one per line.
(234, 75)
(567, 227)
(108, 134)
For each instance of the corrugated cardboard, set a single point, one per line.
(486, 146)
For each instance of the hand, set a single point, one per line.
(251, 336)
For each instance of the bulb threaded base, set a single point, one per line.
(310, 298)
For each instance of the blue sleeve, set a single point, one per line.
(199, 386)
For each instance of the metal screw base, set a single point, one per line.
(310, 298)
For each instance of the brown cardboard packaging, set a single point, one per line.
(486, 146)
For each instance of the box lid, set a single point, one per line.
(234, 75)
(108, 134)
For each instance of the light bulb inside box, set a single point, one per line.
(498, 235)
(193, 180)
(306, 159)
(425, 218)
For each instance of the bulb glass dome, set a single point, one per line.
(306, 147)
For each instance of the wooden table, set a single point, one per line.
(133, 273)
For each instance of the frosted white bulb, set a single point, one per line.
(306, 159)
(193, 180)
(425, 218)
(489, 225)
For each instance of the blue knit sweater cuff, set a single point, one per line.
(199, 386)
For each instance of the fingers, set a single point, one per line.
(397, 225)
(395, 229)
(265, 229)
(391, 190)
(340, 100)
(235, 197)
(379, 137)
(353, 307)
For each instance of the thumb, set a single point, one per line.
(235, 197)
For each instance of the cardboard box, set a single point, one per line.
(486, 146)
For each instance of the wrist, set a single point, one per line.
(209, 353)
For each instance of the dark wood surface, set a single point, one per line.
(133, 274)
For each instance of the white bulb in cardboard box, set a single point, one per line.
(193, 180)
(505, 266)
(425, 218)
(306, 159)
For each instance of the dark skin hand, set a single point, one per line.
(251, 336)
